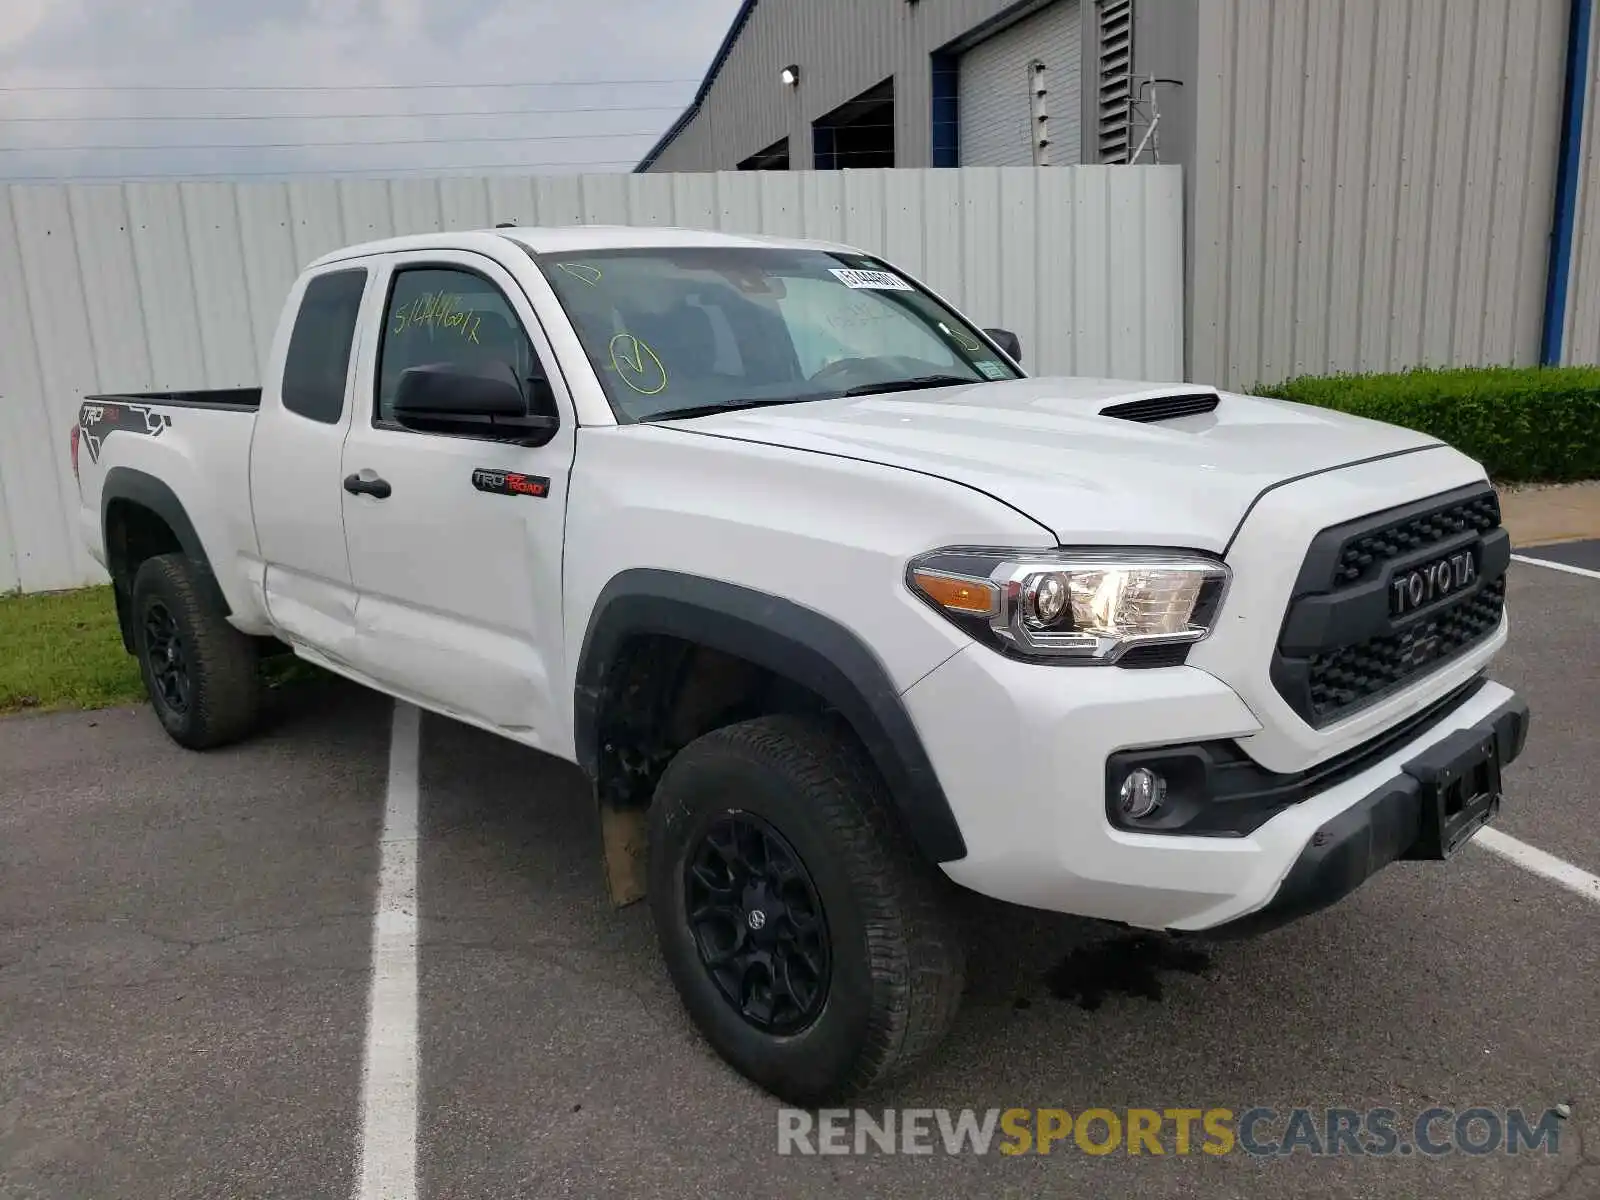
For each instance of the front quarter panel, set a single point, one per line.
(828, 533)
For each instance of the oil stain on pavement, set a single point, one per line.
(1126, 966)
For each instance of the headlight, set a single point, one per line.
(1084, 606)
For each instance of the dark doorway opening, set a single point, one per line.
(859, 133)
(774, 158)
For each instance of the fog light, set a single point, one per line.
(1142, 793)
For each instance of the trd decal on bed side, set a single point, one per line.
(99, 419)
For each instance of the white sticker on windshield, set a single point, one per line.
(990, 369)
(880, 280)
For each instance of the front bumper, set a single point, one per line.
(1399, 819)
(1021, 750)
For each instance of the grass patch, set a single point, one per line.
(1524, 424)
(63, 650)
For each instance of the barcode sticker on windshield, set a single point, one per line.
(990, 369)
(881, 280)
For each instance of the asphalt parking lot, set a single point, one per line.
(186, 950)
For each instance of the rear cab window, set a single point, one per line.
(316, 367)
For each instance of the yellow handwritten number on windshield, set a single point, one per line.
(637, 365)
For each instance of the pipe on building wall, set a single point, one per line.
(1580, 24)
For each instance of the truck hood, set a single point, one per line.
(1046, 448)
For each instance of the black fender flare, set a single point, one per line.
(788, 639)
(145, 490)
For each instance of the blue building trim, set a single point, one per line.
(946, 68)
(688, 114)
(1579, 27)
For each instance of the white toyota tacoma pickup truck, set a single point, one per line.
(834, 604)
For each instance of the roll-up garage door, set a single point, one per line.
(996, 76)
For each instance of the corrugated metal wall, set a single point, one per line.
(174, 286)
(1581, 343)
(842, 47)
(1373, 183)
(997, 124)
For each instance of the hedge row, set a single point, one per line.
(1524, 424)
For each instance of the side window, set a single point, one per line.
(315, 369)
(447, 315)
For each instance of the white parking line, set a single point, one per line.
(1531, 858)
(1556, 566)
(389, 1070)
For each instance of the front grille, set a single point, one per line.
(1364, 555)
(1340, 648)
(1354, 675)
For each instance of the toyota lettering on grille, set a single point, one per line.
(1420, 587)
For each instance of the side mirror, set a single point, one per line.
(479, 400)
(1007, 341)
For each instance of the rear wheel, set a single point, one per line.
(810, 942)
(200, 672)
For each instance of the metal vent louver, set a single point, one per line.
(1114, 119)
(1163, 408)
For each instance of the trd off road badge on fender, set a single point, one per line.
(509, 483)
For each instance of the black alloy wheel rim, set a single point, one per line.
(758, 923)
(169, 665)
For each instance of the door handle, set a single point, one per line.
(357, 486)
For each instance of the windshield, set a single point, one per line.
(682, 331)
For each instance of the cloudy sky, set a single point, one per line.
(267, 85)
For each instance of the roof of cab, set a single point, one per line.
(554, 239)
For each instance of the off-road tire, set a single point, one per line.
(897, 959)
(224, 695)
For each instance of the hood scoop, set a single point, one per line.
(1163, 408)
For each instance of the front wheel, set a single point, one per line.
(809, 941)
(200, 672)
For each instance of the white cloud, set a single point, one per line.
(20, 19)
(75, 44)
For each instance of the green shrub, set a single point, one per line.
(1524, 424)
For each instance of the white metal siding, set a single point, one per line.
(995, 122)
(175, 286)
(1582, 341)
(1373, 181)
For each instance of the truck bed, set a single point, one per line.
(194, 443)
(233, 399)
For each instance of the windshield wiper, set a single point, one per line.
(706, 410)
(908, 385)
